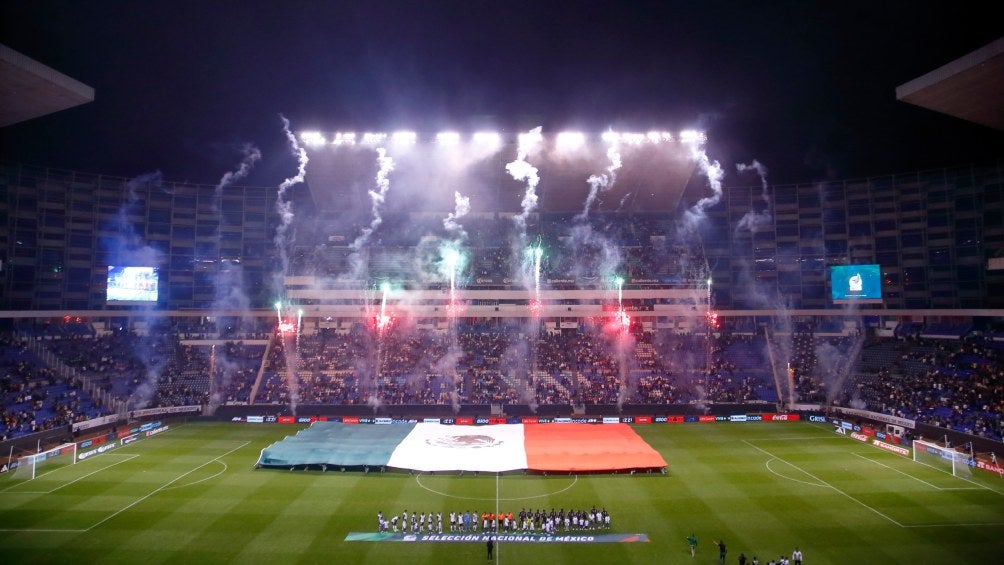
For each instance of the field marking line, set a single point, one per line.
(970, 481)
(954, 525)
(962, 488)
(764, 451)
(162, 487)
(130, 456)
(8, 491)
(767, 464)
(798, 438)
(225, 468)
(41, 530)
(418, 479)
(898, 471)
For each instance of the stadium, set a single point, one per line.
(485, 322)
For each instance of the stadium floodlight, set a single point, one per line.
(313, 138)
(404, 137)
(659, 136)
(530, 138)
(344, 138)
(570, 140)
(448, 138)
(487, 138)
(633, 138)
(385, 287)
(373, 138)
(610, 136)
(692, 136)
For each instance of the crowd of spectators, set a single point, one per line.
(33, 396)
(478, 365)
(954, 383)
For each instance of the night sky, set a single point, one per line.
(806, 88)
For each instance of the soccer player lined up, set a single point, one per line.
(796, 557)
(530, 521)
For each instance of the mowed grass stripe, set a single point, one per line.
(717, 486)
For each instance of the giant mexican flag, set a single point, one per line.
(439, 447)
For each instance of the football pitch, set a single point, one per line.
(192, 495)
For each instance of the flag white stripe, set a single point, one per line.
(438, 447)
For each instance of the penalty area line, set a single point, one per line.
(824, 483)
(164, 486)
(898, 471)
(128, 457)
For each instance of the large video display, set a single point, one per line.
(132, 285)
(856, 283)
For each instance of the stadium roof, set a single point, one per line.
(29, 89)
(970, 87)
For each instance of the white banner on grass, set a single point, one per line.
(437, 447)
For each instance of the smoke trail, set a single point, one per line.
(357, 261)
(377, 197)
(523, 171)
(285, 207)
(602, 182)
(251, 156)
(128, 248)
(462, 205)
(713, 171)
(834, 364)
(228, 282)
(754, 221)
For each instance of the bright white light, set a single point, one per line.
(451, 258)
(344, 138)
(448, 138)
(570, 140)
(313, 138)
(611, 136)
(659, 136)
(373, 138)
(633, 138)
(692, 136)
(404, 137)
(530, 138)
(487, 138)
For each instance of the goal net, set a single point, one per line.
(945, 458)
(30, 466)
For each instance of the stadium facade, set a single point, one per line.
(935, 235)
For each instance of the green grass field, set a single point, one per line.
(191, 495)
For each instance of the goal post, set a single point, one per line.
(28, 466)
(947, 459)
